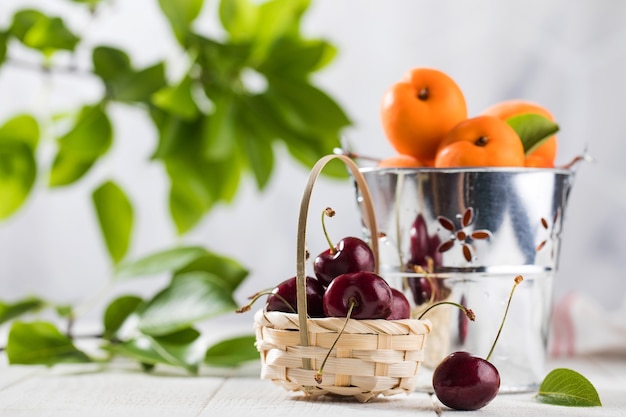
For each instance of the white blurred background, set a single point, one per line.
(568, 56)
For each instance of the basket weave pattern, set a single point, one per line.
(371, 358)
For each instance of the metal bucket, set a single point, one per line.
(463, 235)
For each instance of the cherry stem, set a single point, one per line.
(517, 280)
(318, 375)
(255, 297)
(468, 311)
(330, 213)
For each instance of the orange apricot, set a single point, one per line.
(483, 141)
(509, 108)
(537, 161)
(418, 111)
(400, 161)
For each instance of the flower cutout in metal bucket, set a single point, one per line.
(461, 234)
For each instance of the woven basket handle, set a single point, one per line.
(370, 223)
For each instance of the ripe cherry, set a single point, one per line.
(284, 298)
(364, 294)
(400, 307)
(466, 382)
(350, 254)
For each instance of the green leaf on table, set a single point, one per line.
(9, 311)
(39, 31)
(569, 388)
(41, 343)
(232, 352)
(115, 215)
(181, 14)
(167, 350)
(117, 312)
(533, 129)
(190, 297)
(89, 139)
(168, 260)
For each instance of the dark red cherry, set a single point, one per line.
(369, 292)
(283, 297)
(350, 254)
(465, 382)
(400, 307)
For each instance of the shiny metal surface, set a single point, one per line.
(462, 235)
(521, 211)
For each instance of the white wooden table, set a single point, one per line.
(121, 390)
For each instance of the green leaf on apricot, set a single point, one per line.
(568, 388)
(533, 129)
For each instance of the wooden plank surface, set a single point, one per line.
(90, 391)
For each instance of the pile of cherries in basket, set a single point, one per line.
(345, 285)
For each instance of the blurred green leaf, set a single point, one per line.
(9, 311)
(181, 14)
(68, 168)
(168, 260)
(307, 108)
(117, 312)
(177, 100)
(239, 19)
(284, 16)
(22, 128)
(4, 39)
(110, 63)
(297, 59)
(122, 81)
(39, 31)
(141, 85)
(89, 138)
(232, 352)
(220, 129)
(18, 170)
(40, 343)
(190, 297)
(115, 215)
(229, 271)
(163, 350)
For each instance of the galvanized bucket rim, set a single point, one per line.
(461, 170)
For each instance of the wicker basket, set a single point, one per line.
(371, 357)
